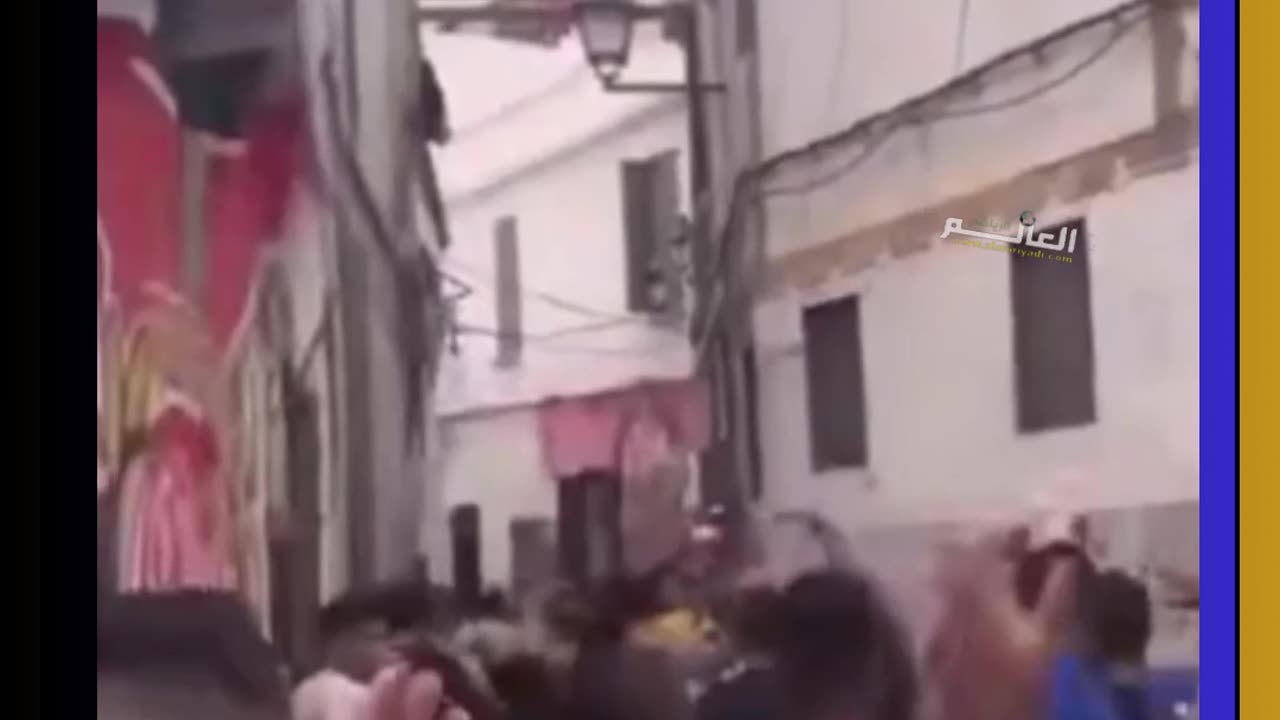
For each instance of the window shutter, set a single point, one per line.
(836, 390)
(653, 230)
(637, 204)
(571, 528)
(1053, 335)
(669, 226)
(506, 252)
(533, 553)
(589, 517)
(464, 529)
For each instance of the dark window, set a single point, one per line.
(533, 553)
(837, 395)
(650, 207)
(506, 252)
(464, 529)
(1053, 335)
(718, 483)
(589, 526)
(746, 26)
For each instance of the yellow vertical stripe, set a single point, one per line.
(1259, 360)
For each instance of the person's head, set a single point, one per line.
(407, 606)
(839, 652)
(1121, 618)
(356, 636)
(564, 616)
(524, 683)
(619, 603)
(185, 655)
(1031, 576)
(492, 604)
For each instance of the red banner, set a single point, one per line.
(164, 412)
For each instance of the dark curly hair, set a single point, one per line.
(1121, 618)
(838, 648)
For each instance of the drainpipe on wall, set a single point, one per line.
(754, 258)
(726, 465)
(714, 466)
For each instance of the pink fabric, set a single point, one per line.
(646, 448)
(581, 434)
(174, 541)
(578, 435)
(248, 200)
(138, 168)
(653, 524)
(139, 171)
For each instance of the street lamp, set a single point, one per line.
(605, 28)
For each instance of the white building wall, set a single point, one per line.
(581, 338)
(938, 351)
(307, 255)
(556, 167)
(829, 62)
(937, 324)
(493, 459)
(387, 80)
(921, 166)
(514, 107)
(379, 54)
(937, 344)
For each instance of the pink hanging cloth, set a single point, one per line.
(587, 433)
(178, 538)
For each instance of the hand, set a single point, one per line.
(398, 693)
(990, 658)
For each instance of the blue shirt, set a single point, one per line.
(1080, 691)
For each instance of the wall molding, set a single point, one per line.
(1164, 147)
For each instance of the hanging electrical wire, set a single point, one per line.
(1121, 30)
(561, 332)
(907, 118)
(548, 298)
(882, 126)
(546, 342)
(821, 181)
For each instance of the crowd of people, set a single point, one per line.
(1027, 633)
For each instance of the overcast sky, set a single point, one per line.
(510, 103)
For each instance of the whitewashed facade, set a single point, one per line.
(344, 286)
(552, 164)
(936, 319)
